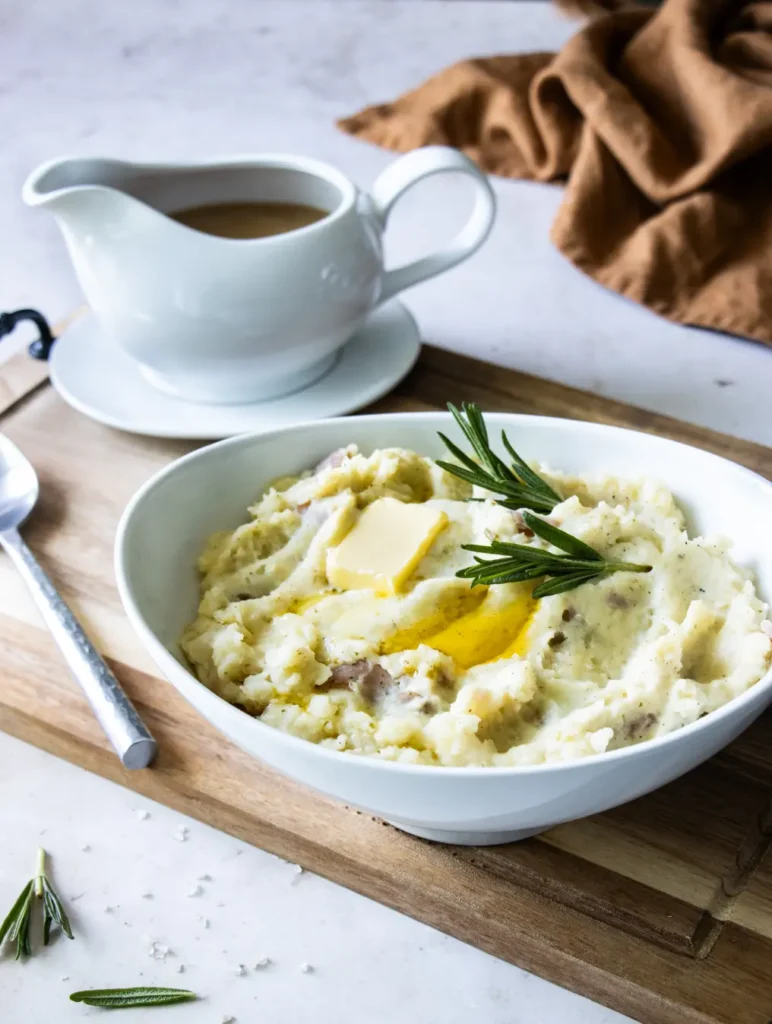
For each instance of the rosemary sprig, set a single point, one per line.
(127, 998)
(16, 925)
(519, 485)
(518, 563)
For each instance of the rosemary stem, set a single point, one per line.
(627, 567)
(40, 872)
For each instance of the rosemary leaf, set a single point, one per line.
(20, 931)
(54, 912)
(561, 584)
(13, 913)
(126, 998)
(519, 486)
(461, 456)
(560, 539)
(525, 472)
(517, 496)
(518, 563)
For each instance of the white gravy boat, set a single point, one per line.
(224, 320)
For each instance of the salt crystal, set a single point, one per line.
(297, 869)
(306, 968)
(109, 910)
(181, 835)
(204, 878)
(204, 921)
(196, 890)
(65, 977)
(143, 815)
(227, 1019)
(180, 968)
(239, 970)
(264, 961)
(85, 848)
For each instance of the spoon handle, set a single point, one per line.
(113, 709)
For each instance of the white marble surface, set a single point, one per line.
(158, 79)
(369, 965)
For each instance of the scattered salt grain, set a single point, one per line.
(109, 909)
(85, 848)
(196, 890)
(306, 968)
(227, 1019)
(204, 878)
(147, 895)
(143, 815)
(158, 951)
(264, 961)
(180, 968)
(204, 922)
(239, 970)
(181, 835)
(65, 977)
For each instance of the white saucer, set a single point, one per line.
(98, 379)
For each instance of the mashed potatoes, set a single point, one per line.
(440, 673)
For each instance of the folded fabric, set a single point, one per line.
(662, 124)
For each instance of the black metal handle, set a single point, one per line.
(40, 348)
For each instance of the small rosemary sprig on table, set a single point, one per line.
(126, 998)
(518, 563)
(519, 485)
(17, 924)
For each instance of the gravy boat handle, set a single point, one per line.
(401, 175)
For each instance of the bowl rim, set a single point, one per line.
(169, 664)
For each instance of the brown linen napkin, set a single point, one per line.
(662, 123)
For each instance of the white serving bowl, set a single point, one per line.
(168, 521)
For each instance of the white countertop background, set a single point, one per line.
(166, 80)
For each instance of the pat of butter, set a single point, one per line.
(384, 546)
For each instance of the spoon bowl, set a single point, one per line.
(18, 486)
(122, 725)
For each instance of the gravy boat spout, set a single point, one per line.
(72, 182)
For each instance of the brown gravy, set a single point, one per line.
(248, 220)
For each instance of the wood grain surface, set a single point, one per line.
(661, 908)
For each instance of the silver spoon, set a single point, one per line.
(113, 709)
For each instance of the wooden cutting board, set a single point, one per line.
(661, 909)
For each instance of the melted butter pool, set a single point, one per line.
(487, 631)
(473, 627)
